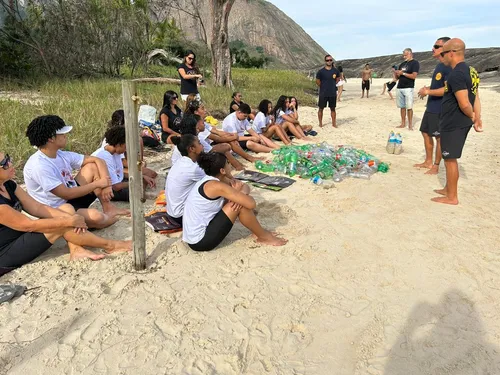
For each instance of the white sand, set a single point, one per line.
(376, 278)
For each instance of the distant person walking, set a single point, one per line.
(390, 84)
(327, 79)
(407, 73)
(460, 110)
(430, 122)
(366, 77)
(189, 74)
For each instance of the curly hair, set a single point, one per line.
(188, 124)
(115, 136)
(42, 128)
(212, 162)
(117, 118)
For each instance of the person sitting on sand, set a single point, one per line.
(288, 123)
(264, 126)
(293, 112)
(237, 123)
(170, 115)
(213, 205)
(23, 239)
(236, 102)
(48, 174)
(112, 153)
(183, 175)
(118, 119)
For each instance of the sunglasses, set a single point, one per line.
(175, 98)
(435, 46)
(445, 52)
(328, 60)
(189, 58)
(5, 163)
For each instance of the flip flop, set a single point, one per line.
(10, 291)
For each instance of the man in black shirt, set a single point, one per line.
(430, 122)
(460, 110)
(407, 73)
(327, 79)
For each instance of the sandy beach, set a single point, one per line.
(375, 279)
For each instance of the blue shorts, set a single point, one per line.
(404, 98)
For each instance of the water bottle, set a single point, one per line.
(398, 144)
(360, 175)
(316, 180)
(391, 143)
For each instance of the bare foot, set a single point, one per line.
(445, 200)
(271, 239)
(434, 170)
(78, 252)
(410, 127)
(119, 247)
(335, 125)
(425, 164)
(440, 191)
(400, 127)
(320, 125)
(115, 211)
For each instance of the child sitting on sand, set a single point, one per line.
(282, 117)
(213, 205)
(293, 112)
(264, 126)
(183, 175)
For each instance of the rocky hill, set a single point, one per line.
(260, 26)
(483, 59)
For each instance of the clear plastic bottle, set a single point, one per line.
(316, 180)
(398, 144)
(391, 143)
(360, 175)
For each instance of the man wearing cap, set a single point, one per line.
(49, 179)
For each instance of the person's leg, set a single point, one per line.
(450, 191)
(435, 167)
(384, 86)
(403, 118)
(225, 148)
(339, 93)
(293, 129)
(306, 128)
(333, 113)
(429, 147)
(149, 172)
(367, 89)
(249, 220)
(24, 249)
(267, 142)
(321, 106)
(409, 107)
(235, 146)
(257, 147)
(390, 95)
(279, 132)
(410, 119)
(91, 240)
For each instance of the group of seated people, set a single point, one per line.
(200, 191)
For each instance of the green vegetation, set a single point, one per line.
(88, 104)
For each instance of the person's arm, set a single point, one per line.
(35, 208)
(253, 136)
(464, 103)
(409, 75)
(289, 119)
(120, 186)
(227, 137)
(294, 114)
(66, 193)
(184, 75)
(478, 123)
(235, 107)
(107, 191)
(164, 124)
(214, 189)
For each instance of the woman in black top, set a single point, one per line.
(22, 239)
(189, 73)
(170, 116)
(235, 104)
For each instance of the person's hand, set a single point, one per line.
(107, 194)
(398, 72)
(235, 206)
(423, 92)
(151, 182)
(478, 125)
(78, 222)
(103, 182)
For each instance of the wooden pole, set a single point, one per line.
(134, 173)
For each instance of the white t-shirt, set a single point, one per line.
(231, 124)
(43, 174)
(176, 155)
(260, 122)
(104, 144)
(113, 162)
(203, 137)
(279, 117)
(180, 179)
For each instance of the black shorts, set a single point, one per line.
(243, 145)
(365, 84)
(331, 100)
(390, 86)
(26, 247)
(177, 220)
(452, 142)
(430, 124)
(82, 202)
(122, 195)
(217, 230)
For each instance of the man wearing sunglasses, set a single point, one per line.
(407, 73)
(460, 110)
(430, 122)
(327, 79)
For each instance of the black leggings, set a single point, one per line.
(26, 247)
(218, 228)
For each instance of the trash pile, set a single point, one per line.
(322, 162)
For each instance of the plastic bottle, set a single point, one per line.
(398, 145)
(316, 180)
(391, 143)
(360, 175)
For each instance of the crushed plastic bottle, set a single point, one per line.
(391, 143)
(398, 144)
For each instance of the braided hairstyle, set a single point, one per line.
(42, 128)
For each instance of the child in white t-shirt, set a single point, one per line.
(284, 118)
(264, 126)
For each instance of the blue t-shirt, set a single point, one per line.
(328, 79)
(462, 77)
(439, 77)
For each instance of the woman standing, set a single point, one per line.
(170, 115)
(340, 83)
(189, 74)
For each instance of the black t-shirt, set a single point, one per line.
(439, 77)
(7, 235)
(409, 67)
(231, 110)
(328, 81)
(174, 118)
(188, 86)
(462, 77)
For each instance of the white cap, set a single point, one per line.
(64, 130)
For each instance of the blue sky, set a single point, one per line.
(362, 28)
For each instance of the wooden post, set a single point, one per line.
(134, 173)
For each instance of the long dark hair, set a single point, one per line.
(188, 124)
(296, 102)
(184, 142)
(168, 97)
(193, 106)
(212, 162)
(193, 61)
(264, 107)
(280, 104)
(117, 118)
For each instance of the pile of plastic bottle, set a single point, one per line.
(322, 162)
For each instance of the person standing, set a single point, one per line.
(460, 110)
(430, 122)
(340, 84)
(327, 79)
(189, 75)
(366, 76)
(407, 73)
